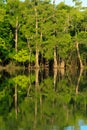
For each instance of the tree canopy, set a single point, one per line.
(38, 33)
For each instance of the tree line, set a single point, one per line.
(37, 33)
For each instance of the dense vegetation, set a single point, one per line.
(41, 34)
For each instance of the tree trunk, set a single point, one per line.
(78, 53)
(55, 59)
(62, 64)
(37, 58)
(37, 77)
(37, 50)
(55, 78)
(16, 35)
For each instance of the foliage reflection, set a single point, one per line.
(42, 100)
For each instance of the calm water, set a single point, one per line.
(43, 100)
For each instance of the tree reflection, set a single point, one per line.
(78, 81)
(43, 102)
(16, 102)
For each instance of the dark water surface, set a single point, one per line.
(43, 100)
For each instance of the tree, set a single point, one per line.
(15, 18)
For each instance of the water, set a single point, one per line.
(43, 100)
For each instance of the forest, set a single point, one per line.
(49, 41)
(40, 33)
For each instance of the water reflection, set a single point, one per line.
(42, 100)
(69, 128)
(84, 127)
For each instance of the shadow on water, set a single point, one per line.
(43, 99)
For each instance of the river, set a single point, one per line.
(43, 100)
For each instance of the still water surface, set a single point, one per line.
(43, 100)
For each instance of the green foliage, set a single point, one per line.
(3, 50)
(2, 44)
(82, 37)
(40, 25)
(21, 81)
(65, 45)
(2, 11)
(6, 33)
(21, 56)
